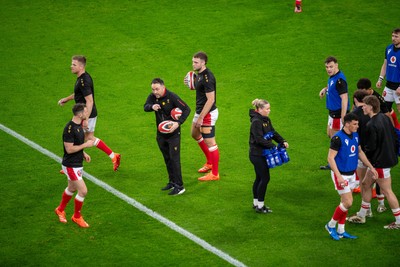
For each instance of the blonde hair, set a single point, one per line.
(259, 103)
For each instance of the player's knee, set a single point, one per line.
(196, 136)
(82, 193)
(348, 203)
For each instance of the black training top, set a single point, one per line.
(73, 133)
(83, 87)
(260, 125)
(205, 83)
(381, 143)
(167, 102)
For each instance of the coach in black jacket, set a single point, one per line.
(163, 101)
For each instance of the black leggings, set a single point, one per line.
(262, 177)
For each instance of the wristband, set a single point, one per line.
(381, 78)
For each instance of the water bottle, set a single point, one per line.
(277, 157)
(269, 158)
(268, 136)
(283, 154)
(398, 138)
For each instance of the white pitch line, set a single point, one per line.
(131, 201)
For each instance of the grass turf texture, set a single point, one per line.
(257, 49)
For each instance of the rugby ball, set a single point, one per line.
(189, 80)
(176, 113)
(165, 126)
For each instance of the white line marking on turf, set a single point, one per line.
(130, 201)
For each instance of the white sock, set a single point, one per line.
(332, 223)
(340, 228)
(396, 213)
(255, 202)
(381, 199)
(260, 204)
(365, 206)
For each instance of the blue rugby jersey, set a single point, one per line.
(347, 157)
(392, 56)
(333, 100)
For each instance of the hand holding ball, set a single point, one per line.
(165, 126)
(176, 113)
(189, 80)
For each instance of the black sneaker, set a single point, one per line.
(263, 210)
(169, 186)
(178, 190)
(326, 167)
(255, 207)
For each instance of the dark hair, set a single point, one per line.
(78, 108)
(330, 59)
(364, 83)
(157, 80)
(359, 95)
(349, 117)
(81, 59)
(202, 56)
(373, 101)
(397, 30)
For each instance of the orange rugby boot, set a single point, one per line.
(209, 177)
(80, 221)
(61, 215)
(116, 161)
(206, 168)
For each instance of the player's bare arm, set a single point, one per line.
(64, 100)
(345, 101)
(86, 157)
(381, 74)
(323, 92)
(71, 148)
(331, 160)
(89, 103)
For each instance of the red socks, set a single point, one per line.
(340, 214)
(394, 117)
(78, 206)
(205, 149)
(101, 145)
(214, 153)
(64, 200)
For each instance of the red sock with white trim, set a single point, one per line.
(342, 220)
(214, 153)
(205, 149)
(102, 146)
(66, 197)
(338, 215)
(78, 206)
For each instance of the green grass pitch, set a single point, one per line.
(257, 49)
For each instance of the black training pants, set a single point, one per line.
(171, 151)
